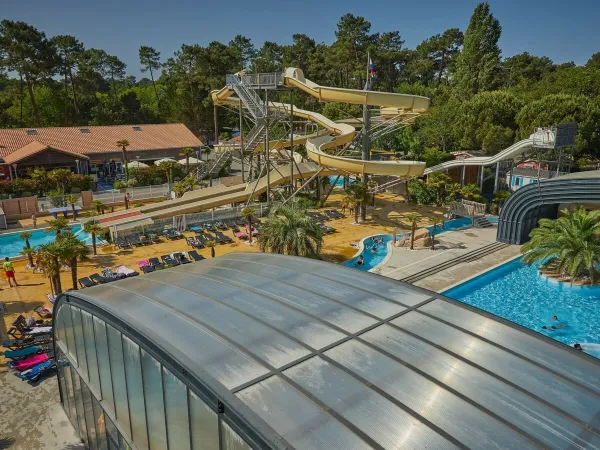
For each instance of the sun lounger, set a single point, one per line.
(44, 312)
(18, 332)
(156, 264)
(36, 372)
(112, 276)
(27, 341)
(221, 225)
(336, 214)
(180, 258)
(169, 261)
(195, 243)
(210, 227)
(239, 234)
(28, 351)
(195, 255)
(155, 238)
(126, 271)
(28, 363)
(97, 278)
(214, 238)
(122, 243)
(195, 228)
(85, 282)
(29, 322)
(135, 241)
(224, 238)
(145, 266)
(254, 232)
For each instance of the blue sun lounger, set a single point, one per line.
(36, 371)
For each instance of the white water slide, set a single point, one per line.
(542, 138)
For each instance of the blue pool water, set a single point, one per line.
(340, 181)
(372, 259)
(520, 294)
(11, 245)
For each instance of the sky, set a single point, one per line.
(563, 31)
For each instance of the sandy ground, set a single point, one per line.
(387, 215)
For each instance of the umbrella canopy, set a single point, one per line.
(163, 160)
(136, 165)
(192, 161)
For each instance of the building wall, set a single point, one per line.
(116, 393)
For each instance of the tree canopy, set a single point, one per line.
(480, 100)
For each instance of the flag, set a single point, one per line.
(372, 69)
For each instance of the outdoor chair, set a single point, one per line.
(36, 372)
(126, 272)
(25, 323)
(44, 312)
(85, 282)
(169, 261)
(195, 243)
(18, 331)
(224, 238)
(122, 243)
(231, 224)
(156, 264)
(180, 258)
(26, 341)
(155, 238)
(28, 351)
(97, 278)
(240, 234)
(221, 226)
(195, 228)
(195, 255)
(28, 363)
(145, 266)
(112, 276)
(135, 241)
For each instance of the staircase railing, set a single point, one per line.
(210, 166)
(248, 96)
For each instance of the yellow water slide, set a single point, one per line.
(340, 134)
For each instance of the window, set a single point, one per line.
(103, 363)
(117, 367)
(84, 130)
(31, 132)
(90, 350)
(178, 426)
(231, 440)
(155, 404)
(205, 427)
(137, 128)
(79, 344)
(135, 392)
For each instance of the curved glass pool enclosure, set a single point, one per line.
(267, 351)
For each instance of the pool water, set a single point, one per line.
(373, 259)
(520, 294)
(11, 245)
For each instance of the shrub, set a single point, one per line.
(421, 193)
(138, 204)
(57, 198)
(119, 185)
(75, 190)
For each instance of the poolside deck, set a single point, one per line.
(403, 263)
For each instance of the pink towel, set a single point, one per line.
(144, 263)
(28, 363)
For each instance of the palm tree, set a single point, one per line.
(187, 152)
(100, 207)
(168, 166)
(438, 181)
(72, 251)
(179, 188)
(211, 245)
(413, 218)
(435, 221)
(58, 226)
(72, 199)
(569, 244)
(93, 228)
(123, 144)
(372, 184)
(27, 249)
(471, 192)
(290, 231)
(61, 178)
(359, 193)
(49, 256)
(248, 213)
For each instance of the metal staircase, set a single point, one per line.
(248, 96)
(255, 137)
(212, 167)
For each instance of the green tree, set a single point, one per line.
(50, 256)
(150, 61)
(243, 51)
(569, 245)
(248, 214)
(72, 200)
(58, 226)
(40, 179)
(28, 52)
(594, 61)
(68, 50)
(477, 66)
(438, 181)
(93, 228)
(211, 245)
(25, 237)
(168, 167)
(471, 192)
(123, 144)
(61, 179)
(501, 196)
(290, 231)
(72, 250)
(359, 193)
(99, 205)
(187, 152)
(412, 218)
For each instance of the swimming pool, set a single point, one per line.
(11, 245)
(520, 294)
(373, 259)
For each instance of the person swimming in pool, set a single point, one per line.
(361, 261)
(558, 326)
(578, 347)
(374, 249)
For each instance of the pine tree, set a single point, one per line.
(478, 66)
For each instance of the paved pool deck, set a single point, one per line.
(32, 416)
(452, 244)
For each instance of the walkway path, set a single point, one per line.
(404, 263)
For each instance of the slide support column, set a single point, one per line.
(242, 140)
(267, 150)
(497, 174)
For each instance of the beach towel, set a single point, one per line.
(28, 363)
(11, 354)
(125, 270)
(39, 330)
(35, 371)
